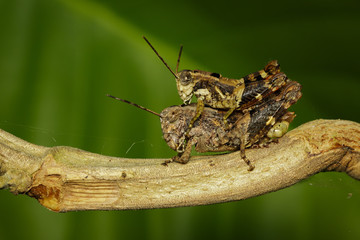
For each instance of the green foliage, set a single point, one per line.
(58, 59)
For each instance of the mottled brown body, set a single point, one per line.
(213, 90)
(211, 134)
(220, 92)
(216, 91)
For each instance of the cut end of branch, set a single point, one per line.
(47, 195)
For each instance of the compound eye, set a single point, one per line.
(185, 78)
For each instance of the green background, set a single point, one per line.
(58, 59)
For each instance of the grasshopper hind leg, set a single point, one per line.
(243, 157)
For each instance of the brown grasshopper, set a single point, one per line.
(210, 134)
(212, 89)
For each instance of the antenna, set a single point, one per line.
(178, 61)
(161, 57)
(134, 104)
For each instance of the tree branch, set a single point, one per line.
(68, 179)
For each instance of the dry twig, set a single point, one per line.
(67, 179)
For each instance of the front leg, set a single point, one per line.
(184, 157)
(225, 117)
(199, 110)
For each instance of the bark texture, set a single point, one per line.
(68, 179)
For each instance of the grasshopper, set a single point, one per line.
(214, 90)
(245, 129)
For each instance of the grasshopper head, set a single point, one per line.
(173, 125)
(185, 84)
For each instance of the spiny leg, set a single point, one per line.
(243, 156)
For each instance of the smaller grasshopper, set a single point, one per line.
(210, 134)
(214, 90)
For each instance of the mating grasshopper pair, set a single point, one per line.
(243, 111)
(260, 125)
(213, 90)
